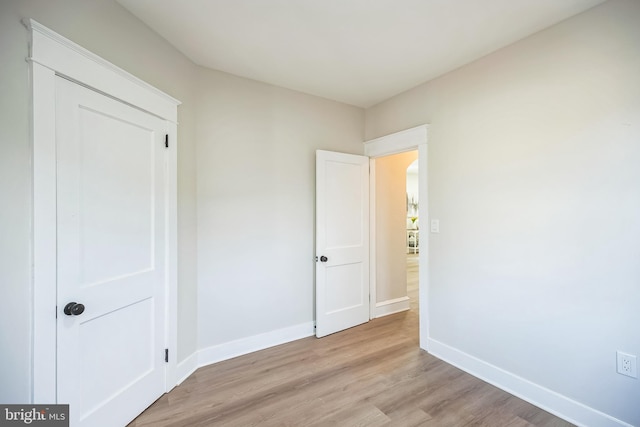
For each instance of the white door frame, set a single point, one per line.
(407, 140)
(52, 55)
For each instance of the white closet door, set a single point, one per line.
(111, 249)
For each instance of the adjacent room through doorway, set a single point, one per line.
(413, 235)
(397, 233)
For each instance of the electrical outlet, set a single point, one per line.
(627, 364)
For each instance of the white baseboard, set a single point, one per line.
(187, 367)
(392, 306)
(229, 350)
(555, 403)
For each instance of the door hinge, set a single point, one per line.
(166, 140)
(166, 355)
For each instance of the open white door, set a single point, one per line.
(112, 250)
(342, 241)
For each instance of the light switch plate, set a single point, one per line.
(435, 225)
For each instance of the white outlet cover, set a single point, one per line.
(627, 364)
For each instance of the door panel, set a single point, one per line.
(343, 181)
(339, 297)
(342, 236)
(134, 325)
(116, 167)
(111, 211)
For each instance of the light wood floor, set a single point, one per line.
(370, 375)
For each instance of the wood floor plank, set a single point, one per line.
(362, 414)
(371, 375)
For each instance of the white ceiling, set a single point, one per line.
(359, 52)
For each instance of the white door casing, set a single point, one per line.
(399, 142)
(111, 233)
(342, 241)
(51, 56)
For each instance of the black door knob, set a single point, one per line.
(73, 309)
(324, 258)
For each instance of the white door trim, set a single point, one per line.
(373, 267)
(407, 140)
(52, 55)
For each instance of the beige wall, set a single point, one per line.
(534, 155)
(391, 223)
(108, 30)
(256, 198)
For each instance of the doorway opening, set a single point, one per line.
(397, 231)
(413, 236)
(402, 142)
